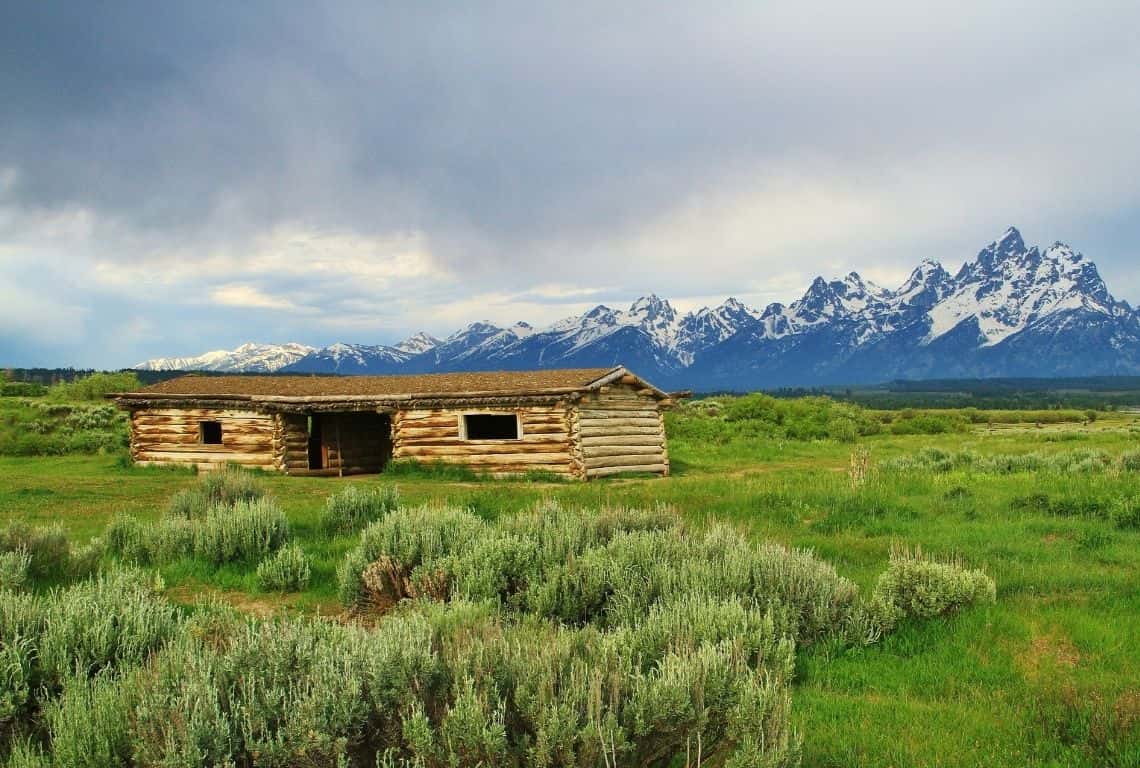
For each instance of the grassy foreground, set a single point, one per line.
(1050, 675)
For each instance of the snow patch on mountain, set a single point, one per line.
(250, 357)
(1009, 287)
(418, 344)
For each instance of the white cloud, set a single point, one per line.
(249, 297)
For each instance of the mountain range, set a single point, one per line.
(1014, 310)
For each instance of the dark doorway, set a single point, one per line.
(318, 451)
(351, 442)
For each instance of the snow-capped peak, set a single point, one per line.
(928, 284)
(1010, 287)
(521, 329)
(419, 343)
(252, 357)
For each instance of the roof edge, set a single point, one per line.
(619, 373)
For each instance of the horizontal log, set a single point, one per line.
(428, 431)
(628, 421)
(598, 462)
(489, 459)
(623, 440)
(612, 431)
(613, 394)
(469, 449)
(195, 433)
(590, 451)
(248, 450)
(215, 457)
(618, 413)
(178, 425)
(546, 429)
(505, 470)
(200, 464)
(526, 441)
(199, 414)
(448, 423)
(658, 469)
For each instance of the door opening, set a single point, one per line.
(318, 451)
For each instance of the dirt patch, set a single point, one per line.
(1049, 651)
(1127, 711)
(261, 606)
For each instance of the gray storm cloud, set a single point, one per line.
(347, 170)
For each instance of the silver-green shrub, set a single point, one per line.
(106, 622)
(126, 537)
(247, 531)
(920, 587)
(17, 677)
(26, 753)
(408, 537)
(221, 488)
(47, 547)
(89, 723)
(609, 569)
(14, 568)
(357, 506)
(285, 571)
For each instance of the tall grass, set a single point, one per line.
(226, 517)
(1084, 461)
(355, 507)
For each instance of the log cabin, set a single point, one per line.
(578, 423)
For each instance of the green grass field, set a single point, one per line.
(1049, 675)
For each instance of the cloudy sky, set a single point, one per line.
(177, 177)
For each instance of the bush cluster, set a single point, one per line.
(441, 685)
(1121, 509)
(94, 387)
(914, 586)
(43, 553)
(95, 627)
(22, 389)
(225, 518)
(758, 415)
(222, 488)
(603, 569)
(287, 570)
(14, 568)
(357, 506)
(1077, 462)
(30, 428)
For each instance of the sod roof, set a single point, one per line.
(435, 384)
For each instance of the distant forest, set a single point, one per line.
(1100, 392)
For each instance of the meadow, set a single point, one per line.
(845, 620)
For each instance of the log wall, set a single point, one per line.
(173, 436)
(620, 429)
(431, 435)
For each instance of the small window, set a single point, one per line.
(491, 426)
(210, 432)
